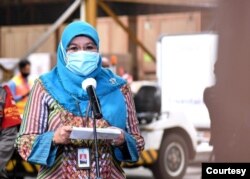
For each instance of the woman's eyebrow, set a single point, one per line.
(90, 43)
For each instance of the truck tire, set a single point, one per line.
(172, 159)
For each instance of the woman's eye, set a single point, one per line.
(73, 48)
(90, 48)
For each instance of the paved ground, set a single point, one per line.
(193, 172)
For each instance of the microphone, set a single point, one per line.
(89, 86)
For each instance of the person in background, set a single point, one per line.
(20, 84)
(57, 103)
(9, 123)
(125, 75)
(110, 63)
(105, 62)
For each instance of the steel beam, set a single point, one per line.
(91, 11)
(193, 3)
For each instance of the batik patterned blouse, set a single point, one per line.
(43, 115)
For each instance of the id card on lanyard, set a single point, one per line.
(83, 158)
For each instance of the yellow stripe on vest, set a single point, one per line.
(29, 168)
(147, 157)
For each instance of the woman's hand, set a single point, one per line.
(120, 139)
(61, 135)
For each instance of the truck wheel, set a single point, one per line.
(173, 158)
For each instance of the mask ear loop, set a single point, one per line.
(63, 52)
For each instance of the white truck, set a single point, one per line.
(174, 120)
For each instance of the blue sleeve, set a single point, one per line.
(43, 152)
(12, 87)
(128, 151)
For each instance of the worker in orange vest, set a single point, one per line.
(20, 85)
(9, 123)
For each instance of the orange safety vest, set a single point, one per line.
(22, 88)
(10, 112)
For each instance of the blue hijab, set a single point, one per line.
(66, 87)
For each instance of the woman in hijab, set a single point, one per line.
(57, 103)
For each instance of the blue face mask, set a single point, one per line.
(82, 62)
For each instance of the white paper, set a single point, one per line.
(88, 133)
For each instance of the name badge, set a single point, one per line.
(83, 158)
